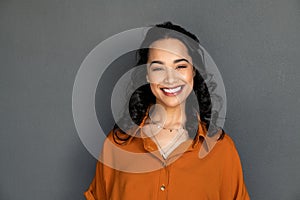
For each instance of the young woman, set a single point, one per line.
(170, 147)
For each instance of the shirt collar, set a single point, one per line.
(150, 145)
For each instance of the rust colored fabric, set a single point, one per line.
(197, 169)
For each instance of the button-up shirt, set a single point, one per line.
(205, 168)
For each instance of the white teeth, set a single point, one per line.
(173, 90)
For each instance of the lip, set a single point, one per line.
(170, 92)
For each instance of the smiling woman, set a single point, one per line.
(170, 72)
(170, 147)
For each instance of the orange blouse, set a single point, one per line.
(194, 170)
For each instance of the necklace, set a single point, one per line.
(176, 141)
(169, 129)
(178, 137)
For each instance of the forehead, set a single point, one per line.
(168, 47)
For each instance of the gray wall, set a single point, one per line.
(42, 44)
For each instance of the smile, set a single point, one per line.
(172, 91)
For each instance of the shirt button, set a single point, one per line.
(162, 187)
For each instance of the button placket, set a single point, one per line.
(163, 180)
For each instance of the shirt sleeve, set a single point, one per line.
(233, 185)
(96, 190)
(104, 175)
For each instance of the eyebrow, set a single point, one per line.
(175, 61)
(182, 59)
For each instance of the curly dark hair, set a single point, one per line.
(142, 98)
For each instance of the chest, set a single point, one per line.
(186, 177)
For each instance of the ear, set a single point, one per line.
(147, 78)
(194, 72)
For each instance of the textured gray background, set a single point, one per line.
(42, 44)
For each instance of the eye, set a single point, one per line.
(157, 68)
(181, 67)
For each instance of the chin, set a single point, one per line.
(170, 102)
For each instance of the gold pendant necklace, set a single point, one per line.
(170, 130)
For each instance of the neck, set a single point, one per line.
(171, 117)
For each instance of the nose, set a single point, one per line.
(170, 76)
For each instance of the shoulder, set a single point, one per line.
(220, 144)
(227, 142)
(228, 149)
(221, 138)
(125, 141)
(118, 137)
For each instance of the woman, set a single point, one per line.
(170, 147)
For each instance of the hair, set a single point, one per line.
(142, 98)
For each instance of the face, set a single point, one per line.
(170, 72)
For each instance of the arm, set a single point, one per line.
(233, 185)
(96, 190)
(104, 174)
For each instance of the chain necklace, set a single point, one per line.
(170, 130)
(167, 149)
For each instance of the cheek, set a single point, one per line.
(189, 77)
(190, 85)
(154, 88)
